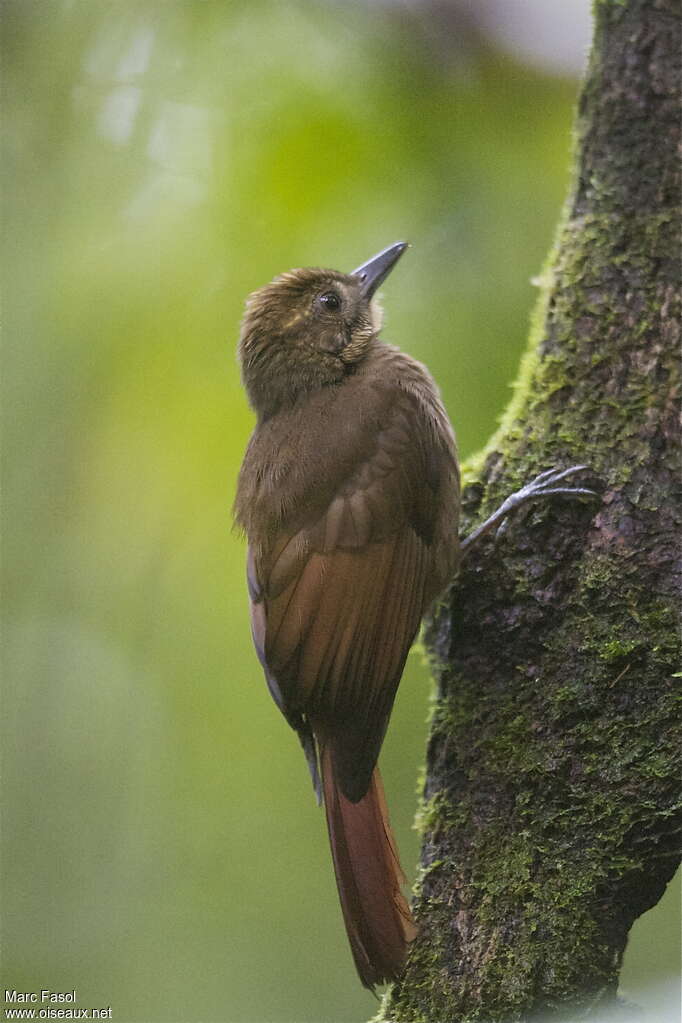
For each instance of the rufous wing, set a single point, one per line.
(337, 601)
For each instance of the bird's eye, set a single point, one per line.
(330, 300)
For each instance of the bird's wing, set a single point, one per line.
(336, 602)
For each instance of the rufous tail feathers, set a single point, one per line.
(369, 878)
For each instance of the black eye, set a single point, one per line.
(330, 300)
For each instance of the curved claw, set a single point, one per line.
(553, 476)
(567, 492)
(558, 473)
(543, 485)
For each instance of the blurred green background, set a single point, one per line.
(163, 853)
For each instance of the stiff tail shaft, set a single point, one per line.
(368, 877)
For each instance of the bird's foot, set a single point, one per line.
(544, 485)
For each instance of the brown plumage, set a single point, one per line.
(349, 497)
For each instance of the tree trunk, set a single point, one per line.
(551, 813)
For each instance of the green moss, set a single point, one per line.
(587, 252)
(616, 649)
(554, 746)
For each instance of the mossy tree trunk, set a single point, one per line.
(550, 808)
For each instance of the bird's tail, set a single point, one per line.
(368, 876)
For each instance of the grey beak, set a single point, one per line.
(375, 271)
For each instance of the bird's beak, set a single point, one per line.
(375, 271)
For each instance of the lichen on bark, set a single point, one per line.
(551, 812)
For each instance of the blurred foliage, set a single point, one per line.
(163, 852)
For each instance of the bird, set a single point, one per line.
(349, 497)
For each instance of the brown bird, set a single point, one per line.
(349, 497)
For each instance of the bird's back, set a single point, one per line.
(383, 429)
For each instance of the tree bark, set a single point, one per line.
(551, 811)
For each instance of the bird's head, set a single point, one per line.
(308, 328)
